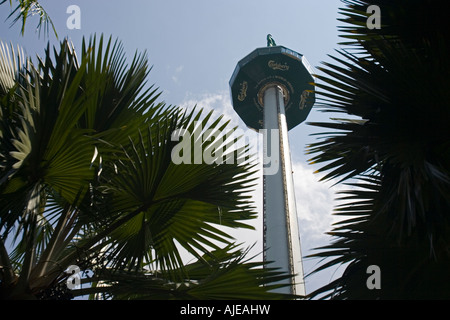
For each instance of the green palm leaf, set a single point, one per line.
(172, 204)
(27, 8)
(88, 175)
(215, 277)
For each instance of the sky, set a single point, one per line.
(194, 47)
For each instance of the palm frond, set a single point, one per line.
(175, 205)
(89, 178)
(390, 150)
(30, 8)
(214, 277)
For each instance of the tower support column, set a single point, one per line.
(281, 235)
(272, 91)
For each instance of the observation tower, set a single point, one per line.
(272, 92)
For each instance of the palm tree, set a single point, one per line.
(392, 150)
(87, 180)
(27, 8)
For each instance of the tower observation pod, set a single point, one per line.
(272, 92)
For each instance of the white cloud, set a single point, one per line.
(220, 103)
(315, 201)
(176, 73)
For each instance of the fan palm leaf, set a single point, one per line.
(88, 178)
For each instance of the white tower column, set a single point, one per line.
(281, 235)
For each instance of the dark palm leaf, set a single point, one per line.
(395, 146)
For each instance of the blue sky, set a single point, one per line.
(194, 47)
